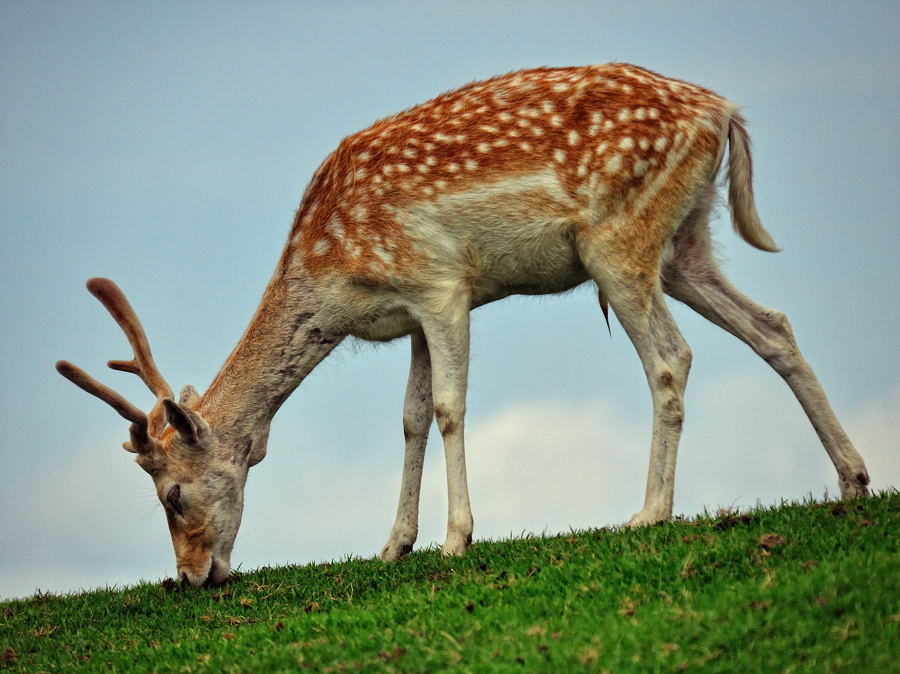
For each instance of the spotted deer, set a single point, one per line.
(530, 183)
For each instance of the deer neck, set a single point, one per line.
(288, 336)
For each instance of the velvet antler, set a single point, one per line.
(142, 364)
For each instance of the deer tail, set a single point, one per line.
(740, 188)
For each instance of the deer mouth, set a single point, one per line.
(216, 577)
(218, 574)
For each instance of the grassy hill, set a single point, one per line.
(812, 587)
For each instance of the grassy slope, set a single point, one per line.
(823, 596)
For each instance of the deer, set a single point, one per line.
(529, 183)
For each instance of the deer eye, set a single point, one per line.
(173, 499)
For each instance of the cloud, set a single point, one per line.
(534, 465)
(875, 429)
(89, 519)
(551, 465)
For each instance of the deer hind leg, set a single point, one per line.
(418, 411)
(693, 277)
(633, 290)
(446, 328)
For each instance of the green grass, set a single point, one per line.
(812, 587)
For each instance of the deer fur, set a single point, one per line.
(529, 183)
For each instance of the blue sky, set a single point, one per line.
(166, 145)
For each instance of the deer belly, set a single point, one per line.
(509, 236)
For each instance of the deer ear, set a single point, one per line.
(189, 425)
(189, 396)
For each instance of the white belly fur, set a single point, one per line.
(509, 237)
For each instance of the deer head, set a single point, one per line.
(199, 475)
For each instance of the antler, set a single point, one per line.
(142, 364)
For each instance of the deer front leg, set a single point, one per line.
(448, 342)
(418, 411)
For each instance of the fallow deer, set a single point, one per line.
(533, 182)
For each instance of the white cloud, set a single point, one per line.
(536, 465)
(875, 429)
(533, 466)
(90, 519)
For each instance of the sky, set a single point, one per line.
(166, 145)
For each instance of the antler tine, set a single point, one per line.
(142, 364)
(84, 381)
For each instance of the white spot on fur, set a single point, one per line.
(525, 145)
(644, 144)
(501, 142)
(624, 115)
(359, 212)
(470, 164)
(559, 156)
(627, 143)
(453, 167)
(364, 156)
(409, 153)
(614, 164)
(335, 228)
(489, 129)
(660, 143)
(560, 87)
(483, 147)
(574, 138)
(556, 121)
(382, 254)
(322, 246)
(548, 106)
